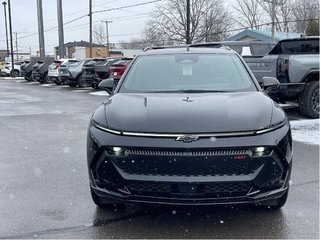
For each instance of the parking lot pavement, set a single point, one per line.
(44, 191)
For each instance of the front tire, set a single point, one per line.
(15, 73)
(309, 100)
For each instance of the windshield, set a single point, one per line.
(187, 72)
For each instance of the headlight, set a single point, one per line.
(117, 151)
(260, 151)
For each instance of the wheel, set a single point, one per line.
(95, 86)
(48, 80)
(44, 79)
(105, 202)
(309, 100)
(15, 73)
(278, 203)
(57, 81)
(72, 84)
(81, 82)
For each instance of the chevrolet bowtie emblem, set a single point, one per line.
(187, 138)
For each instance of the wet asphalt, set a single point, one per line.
(44, 190)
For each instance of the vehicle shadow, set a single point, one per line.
(154, 221)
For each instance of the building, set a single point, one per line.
(259, 35)
(21, 56)
(81, 50)
(120, 52)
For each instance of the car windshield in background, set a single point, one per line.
(187, 72)
(97, 62)
(121, 63)
(74, 64)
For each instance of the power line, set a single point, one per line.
(128, 6)
(107, 10)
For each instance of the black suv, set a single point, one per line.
(40, 70)
(189, 125)
(26, 70)
(94, 71)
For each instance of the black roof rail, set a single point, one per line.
(196, 45)
(164, 47)
(208, 45)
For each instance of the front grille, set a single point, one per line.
(149, 187)
(195, 163)
(189, 153)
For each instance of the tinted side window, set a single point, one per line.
(297, 47)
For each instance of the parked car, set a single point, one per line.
(118, 68)
(96, 70)
(40, 70)
(7, 70)
(71, 74)
(295, 62)
(189, 125)
(53, 69)
(26, 70)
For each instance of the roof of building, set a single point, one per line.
(263, 35)
(81, 44)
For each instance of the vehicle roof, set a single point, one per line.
(185, 49)
(301, 38)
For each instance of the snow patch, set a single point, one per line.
(306, 131)
(100, 93)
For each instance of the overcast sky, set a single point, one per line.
(127, 23)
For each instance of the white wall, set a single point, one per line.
(79, 53)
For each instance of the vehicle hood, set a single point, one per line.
(188, 113)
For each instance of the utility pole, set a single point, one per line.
(188, 38)
(41, 30)
(11, 39)
(6, 25)
(107, 32)
(274, 4)
(60, 29)
(90, 26)
(17, 51)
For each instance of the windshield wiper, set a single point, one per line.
(199, 91)
(189, 91)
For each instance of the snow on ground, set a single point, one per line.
(100, 93)
(306, 131)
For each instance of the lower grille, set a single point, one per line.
(151, 188)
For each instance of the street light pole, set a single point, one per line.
(11, 39)
(107, 33)
(6, 25)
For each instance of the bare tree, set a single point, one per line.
(304, 11)
(248, 13)
(209, 21)
(285, 17)
(99, 34)
(133, 43)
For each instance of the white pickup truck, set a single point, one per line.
(295, 63)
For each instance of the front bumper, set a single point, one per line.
(204, 172)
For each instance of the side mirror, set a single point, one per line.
(107, 85)
(270, 83)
